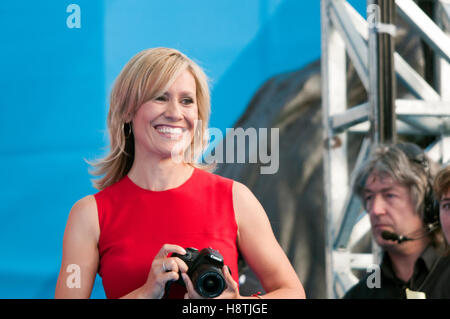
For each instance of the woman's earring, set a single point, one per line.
(127, 130)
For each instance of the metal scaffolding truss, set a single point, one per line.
(345, 32)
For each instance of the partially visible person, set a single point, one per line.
(442, 194)
(154, 199)
(395, 186)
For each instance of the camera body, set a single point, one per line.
(204, 270)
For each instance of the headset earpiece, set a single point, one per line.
(431, 206)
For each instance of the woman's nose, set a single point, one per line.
(173, 110)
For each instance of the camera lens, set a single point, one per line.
(210, 284)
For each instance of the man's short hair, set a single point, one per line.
(408, 170)
(408, 165)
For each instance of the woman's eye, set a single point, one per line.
(445, 206)
(161, 98)
(187, 101)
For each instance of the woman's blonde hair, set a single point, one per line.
(147, 75)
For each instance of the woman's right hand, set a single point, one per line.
(164, 269)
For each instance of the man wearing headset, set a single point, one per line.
(395, 186)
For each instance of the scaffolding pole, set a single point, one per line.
(381, 71)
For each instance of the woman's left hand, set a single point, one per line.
(231, 292)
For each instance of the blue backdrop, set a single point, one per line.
(55, 81)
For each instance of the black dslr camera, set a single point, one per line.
(204, 270)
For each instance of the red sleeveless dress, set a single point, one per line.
(135, 223)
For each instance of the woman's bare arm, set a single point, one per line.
(80, 251)
(260, 248)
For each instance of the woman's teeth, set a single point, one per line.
(172, 132)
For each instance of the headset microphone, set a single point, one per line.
(394, 237)
(387, 235)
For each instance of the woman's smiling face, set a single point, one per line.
(164, 125)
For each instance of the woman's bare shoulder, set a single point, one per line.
(85, 207)
(243, 196)
(83, 216)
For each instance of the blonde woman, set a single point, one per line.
(151, 204)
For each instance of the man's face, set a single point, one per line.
(444, 214)
(390, 208)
